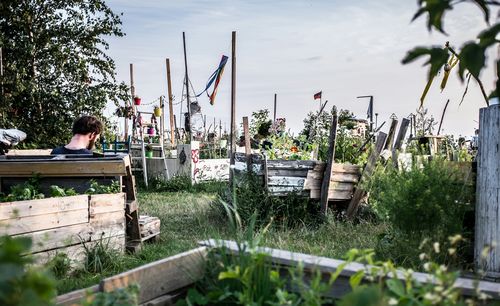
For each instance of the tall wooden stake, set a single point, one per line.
(132, 93)
(170, 104)
(1, 70)
(325, 184)
(248, 150)
(390, 136)
(233, 104)
(399, 140)
(275, 100)
(187, 86)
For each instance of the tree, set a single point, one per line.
(471, 55)
(55, 65)
(260, 123)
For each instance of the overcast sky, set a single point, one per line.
(295, 49)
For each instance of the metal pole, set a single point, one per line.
(170, 104)
(274, 116)
(187, 86)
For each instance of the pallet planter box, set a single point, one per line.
(302, 176)
(77, 171)
(63, 224)
(164, 281)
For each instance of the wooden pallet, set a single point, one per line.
(149, 228)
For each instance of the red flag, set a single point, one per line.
(317, 95)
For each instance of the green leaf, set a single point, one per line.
(396, 286)
(488, 36)
(438, 58)
(435, 10)
(356, 279)
(484, 7)
(472, 58)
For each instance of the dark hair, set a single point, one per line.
(87, 124)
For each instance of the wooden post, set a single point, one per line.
(248, 149)
(487, 234)
(132, 93)
(399, 140)
(325, 184)
(275, 100)
(233, 104)
(187, 86)
(367, 172)
(170, 105)
(390, 136)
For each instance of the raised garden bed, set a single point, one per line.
(165, 281)
(63, 224)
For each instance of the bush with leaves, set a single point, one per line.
(425, 201)
(21, 283)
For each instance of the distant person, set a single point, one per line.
(86, 131)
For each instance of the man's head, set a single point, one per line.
(88, 126)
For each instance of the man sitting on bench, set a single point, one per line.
(86, 131)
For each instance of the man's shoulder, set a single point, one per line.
(64, 150)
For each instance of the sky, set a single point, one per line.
(294, 49)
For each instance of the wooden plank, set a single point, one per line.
(63, 167)
(488, 191)
(248, 150)
(330, 160)
(329, 265)
(367, 172)
(75, 297)
(76, 252)
(266, 172)
(75, 234)
(21, 209)
(346, 168)
(104, 203)
(290, 164)
(161, 277)
(288, 172)
(390, 136)
(333, 195)
(280, 190)
(399, 141)
(286, 181)
(43, 222)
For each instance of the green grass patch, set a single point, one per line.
(187, 217)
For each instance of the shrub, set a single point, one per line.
(250, 197)
(427, 201)
(183, 183)
(21, 284)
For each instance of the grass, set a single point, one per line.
(187, 218)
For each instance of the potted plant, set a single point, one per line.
(149, 151)
(157, 111)
(137, 100)
(223, 140)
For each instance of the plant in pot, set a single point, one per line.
(137, 100)
(149, 151)
(223, 140)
